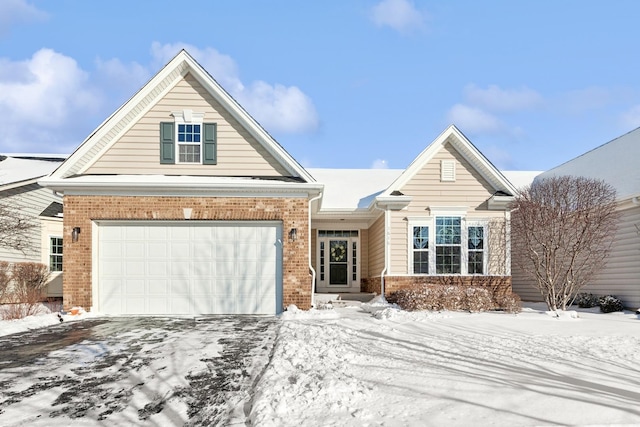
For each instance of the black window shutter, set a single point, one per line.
(167, 143)
(209, 144)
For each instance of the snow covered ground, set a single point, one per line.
(380, 366)
(373, 365)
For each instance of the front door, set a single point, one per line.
(338, 261)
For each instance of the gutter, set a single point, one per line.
(313, 271)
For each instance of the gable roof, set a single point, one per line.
(131, 111)
(616, 162)
(461, 143)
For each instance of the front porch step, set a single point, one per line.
(344, 296)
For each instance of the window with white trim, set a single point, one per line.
(188, 136)
(55, 254)
(189, 143)
(420, 249)
(476, 242)
(447, 244)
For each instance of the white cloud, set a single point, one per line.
(495, 98)
(380, 164)
(473, 119)
(41, 96)
(13, 11)
(401, 15)
(631, 118)
(277, 107)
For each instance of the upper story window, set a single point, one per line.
(188, 140)
(189, 147)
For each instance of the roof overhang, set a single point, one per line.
(500, 202)
(394, 203)
(179, 186)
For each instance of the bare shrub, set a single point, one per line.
(510, 303)
(5, 280)
(418, 298)
(478, 299)
(26, 289)
(454, 298)
(562, 230)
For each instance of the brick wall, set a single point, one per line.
(80, 211)
(499, 285)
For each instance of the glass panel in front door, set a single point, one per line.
(338, 262)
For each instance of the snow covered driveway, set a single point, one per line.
(351, 367)
(132, 371)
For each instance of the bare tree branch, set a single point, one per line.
(14, 228)
(562, 230)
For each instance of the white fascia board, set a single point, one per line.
(344, 214)
(13, 185)
(394, 203)
(84, 186)
(500, 202)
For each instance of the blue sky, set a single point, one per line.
(340, 84)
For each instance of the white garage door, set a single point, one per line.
(189, 268)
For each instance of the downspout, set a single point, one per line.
(313, 271)
(387, 224)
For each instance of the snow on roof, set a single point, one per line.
(520, 179)
(352, 188)
(356, 188)
(14, 170)
(617, 162)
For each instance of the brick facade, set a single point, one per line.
(499, 285)
(80, 211)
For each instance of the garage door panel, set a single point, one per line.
(158, 250)
(134, 287)
(189, 268)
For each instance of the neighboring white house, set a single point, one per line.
(19, 188)
(618, 163)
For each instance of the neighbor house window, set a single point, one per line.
(55, 254)
(448, 245)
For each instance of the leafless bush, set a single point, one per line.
(419, 298)
(454, 298)
(562, 229)
(5, 280)
(510, 303)
(478, 299)
(25, 289)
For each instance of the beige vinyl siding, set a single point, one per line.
(363, 256)
(31, 200)
(138, 150)
(376, 248)
(469, 189)
(621, 274)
